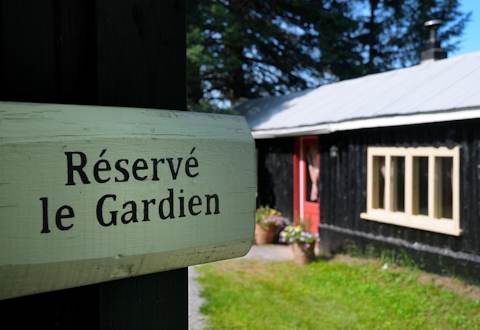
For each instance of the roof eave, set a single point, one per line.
(386, 121)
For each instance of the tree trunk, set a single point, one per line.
(372, 37)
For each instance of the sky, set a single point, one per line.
(471, 37)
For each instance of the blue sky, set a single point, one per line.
(471, 36)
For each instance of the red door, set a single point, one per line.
(307, 173)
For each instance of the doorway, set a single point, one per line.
(306, 180)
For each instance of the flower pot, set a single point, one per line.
(264, 236)
(303, 254)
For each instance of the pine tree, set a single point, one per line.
(392, 32)
(240, 49)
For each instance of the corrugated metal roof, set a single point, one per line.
(436, 87)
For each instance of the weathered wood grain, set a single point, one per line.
(33, 142)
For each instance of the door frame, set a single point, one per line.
(299, 188)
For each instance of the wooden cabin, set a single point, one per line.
(389, 161)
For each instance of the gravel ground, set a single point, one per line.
(270, 253)
(196, 321)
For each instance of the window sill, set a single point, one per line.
(442, 226)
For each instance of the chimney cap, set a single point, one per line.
(433, 22)
(433, 50)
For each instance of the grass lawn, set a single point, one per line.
(329, 295)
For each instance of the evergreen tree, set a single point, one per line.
(392, 32)
(238, 49)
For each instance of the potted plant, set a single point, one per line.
(266, 221)
(302, 242)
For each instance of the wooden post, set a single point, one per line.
(105, 52)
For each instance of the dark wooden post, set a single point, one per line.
(104, 52)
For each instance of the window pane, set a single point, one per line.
(312, 174)
(420, 185)
(398, 184)
(378, 176)
(443, 187)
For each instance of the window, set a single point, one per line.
(312, 174)
(414, 187)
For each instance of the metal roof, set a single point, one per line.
(434, 91)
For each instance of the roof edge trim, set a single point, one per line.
(388, 121)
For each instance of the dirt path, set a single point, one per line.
(196, 320)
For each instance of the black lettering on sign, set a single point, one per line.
(139, 165)
(191, 162)
(174, 171)
(119, 170)
(155, 167)
(130, 215)
(64, 212)
(194, 201)
(113, 214)
(101, 165)
(71, 168)
(146, 209)
(169, 205)
(164, 203)
(45, 228)
(209, 198)
(60, 215)
(122, 170)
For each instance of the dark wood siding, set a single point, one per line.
(343, 190)
(275, 174)
(104, 52)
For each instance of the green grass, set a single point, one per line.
(328, 295)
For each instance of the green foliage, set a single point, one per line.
(297, 234)
(329, 295)
(391, 33)
(244, 49)
(267, 217)
(203, 106)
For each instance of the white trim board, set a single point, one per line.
(301, 181)
(408, 217)
(399, 120)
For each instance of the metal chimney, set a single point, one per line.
(433, 50)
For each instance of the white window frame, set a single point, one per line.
(407, 218)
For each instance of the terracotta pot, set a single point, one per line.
(264, 236)
(303, 255)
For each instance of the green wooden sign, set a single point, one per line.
(91, 194)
